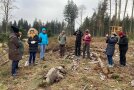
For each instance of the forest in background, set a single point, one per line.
(98, 24)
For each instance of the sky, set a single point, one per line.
(47, 10)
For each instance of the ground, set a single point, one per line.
(88, 76)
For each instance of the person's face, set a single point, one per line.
(44, 31)
(17, 34)
(31, 32)
(121, 35)
(63, 33)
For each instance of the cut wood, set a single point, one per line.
(4, 63)
(103, 67)
(85, 87)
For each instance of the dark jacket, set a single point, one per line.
(33, 47)
(111, 41)
(123, 43)
(78, 35)
(14, 48)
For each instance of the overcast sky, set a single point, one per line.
(47, 10)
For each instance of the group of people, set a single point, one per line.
(16, 47)
(111, 41)
(86, 37)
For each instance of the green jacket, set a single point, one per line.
(62, 39)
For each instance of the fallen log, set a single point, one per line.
(104, 68)
(4, 63)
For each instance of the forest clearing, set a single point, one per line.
(67, 45)
(88, 75)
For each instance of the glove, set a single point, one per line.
(32, 42)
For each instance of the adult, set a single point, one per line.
(111, 41)
(62, 42)
(43, 42)
(33, 41)
(87, 40)
(78, 35)
(123, 47)
(14, 49)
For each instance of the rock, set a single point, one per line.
(132, 83)
(102, 76)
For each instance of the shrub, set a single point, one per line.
(3, 37)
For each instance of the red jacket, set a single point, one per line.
(87, 38)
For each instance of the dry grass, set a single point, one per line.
(31, 77)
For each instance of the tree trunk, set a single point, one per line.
(110, 18)
(116, 12)
(124, 14)
(125, 9)
(131, 24)
(119, 12)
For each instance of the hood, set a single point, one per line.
(43, 29)
(35, 31)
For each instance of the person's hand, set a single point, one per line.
(33, 42)
(106, 35)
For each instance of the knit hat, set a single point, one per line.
(15, 29)
(121, 34)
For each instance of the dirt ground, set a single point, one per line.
(88, 76)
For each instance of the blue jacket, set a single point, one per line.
(43, 38)
(111, 41)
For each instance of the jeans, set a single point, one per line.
(32, 57)
(86, 48)
(110, 59)
(14, 66)
(42, 51)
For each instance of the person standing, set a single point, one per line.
(14, 49)
(79, 36)
(62, 42)
(87, 40)
(43, 42)
(111, 41)
(21, 49)
(33, 41)
(123, 47)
